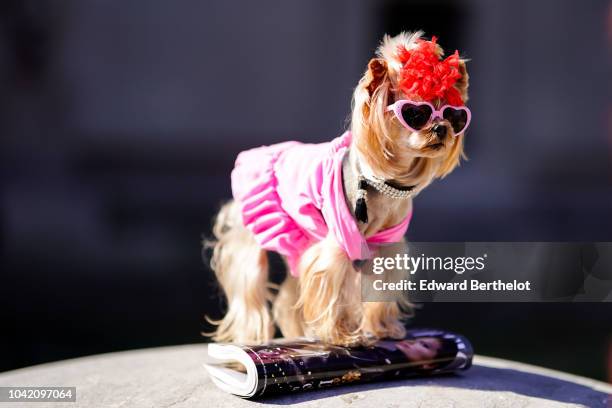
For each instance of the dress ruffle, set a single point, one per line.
(254, 186)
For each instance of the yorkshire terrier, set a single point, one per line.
(327, 208)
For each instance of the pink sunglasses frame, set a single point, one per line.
(396, 108)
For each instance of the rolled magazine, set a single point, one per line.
(286, 366)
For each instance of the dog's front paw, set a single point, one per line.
(383, 320)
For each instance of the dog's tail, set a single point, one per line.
(241, 267)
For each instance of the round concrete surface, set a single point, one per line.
(175, 377)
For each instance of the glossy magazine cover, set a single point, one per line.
(304, 364)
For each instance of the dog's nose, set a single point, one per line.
(440, 131)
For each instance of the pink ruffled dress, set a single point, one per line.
(291, 196)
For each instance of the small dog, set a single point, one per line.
(328, 207)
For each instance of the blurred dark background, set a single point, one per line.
(120, 120)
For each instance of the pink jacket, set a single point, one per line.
(291, 196)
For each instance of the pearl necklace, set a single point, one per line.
(390, 191)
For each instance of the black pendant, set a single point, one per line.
(361, 208)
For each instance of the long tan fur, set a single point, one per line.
(330, 294)
(241, 267)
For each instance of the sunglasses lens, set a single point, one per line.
(416, 116)
(457, 118)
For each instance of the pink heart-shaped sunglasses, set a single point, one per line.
(416, 115)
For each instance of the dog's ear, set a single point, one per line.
(375, 75)
(463, 83)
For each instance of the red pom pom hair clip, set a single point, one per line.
(425, 75)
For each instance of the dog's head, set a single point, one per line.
(409, 109)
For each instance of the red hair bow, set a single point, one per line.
(425, 75)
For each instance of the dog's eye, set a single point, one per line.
(416, 116)
(457, 118)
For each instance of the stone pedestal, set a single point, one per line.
(174, 377)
